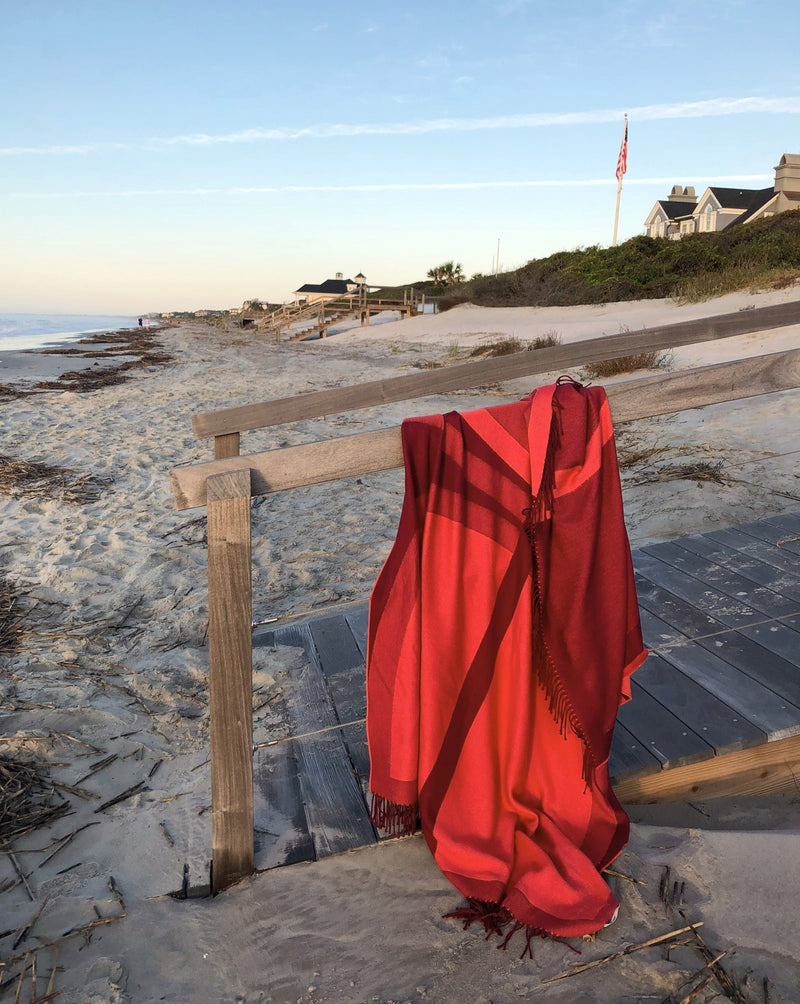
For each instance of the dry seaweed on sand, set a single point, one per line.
(10, 615)
(143, 345)
(642, 464)
(701, 470)
(29, 479)
(27, 798)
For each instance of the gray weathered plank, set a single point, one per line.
(785, 581)
(657, 632)
(787, 522)
(281, 829)
(464, 375)
(778, 638)
(629, 757)
(763, 530)
(776, 599)
(675, 610)
(747, 544)
(358, 619)
(335, 808)
(344, 670)
(669, 740)
(749, 696)
(743, 649)
(724, 728)
(736, 611)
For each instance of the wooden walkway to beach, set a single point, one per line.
(715, 708)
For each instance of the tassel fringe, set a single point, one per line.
(496, 919)
(539, 511)
(395, 820)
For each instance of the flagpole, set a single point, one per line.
(619, 179)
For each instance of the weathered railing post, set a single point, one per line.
(226, 446)
(230, 676)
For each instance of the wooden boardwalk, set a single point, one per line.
(715, 709)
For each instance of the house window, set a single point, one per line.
(707, 219)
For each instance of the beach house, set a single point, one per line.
(718, 208)
(331, 289)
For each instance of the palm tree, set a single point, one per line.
(447, 274)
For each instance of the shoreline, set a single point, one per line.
(74, 361)
(108, 672)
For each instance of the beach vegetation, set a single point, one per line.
(764, 254)
(627, 364)
(506, 345)
(449, 273)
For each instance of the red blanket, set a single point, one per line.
(503, 629)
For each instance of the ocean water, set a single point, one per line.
(32, 331)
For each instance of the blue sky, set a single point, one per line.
(162, 154)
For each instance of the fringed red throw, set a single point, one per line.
(503, 629)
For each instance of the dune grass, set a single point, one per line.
(628, 364)
(506, 345)
(764, 254)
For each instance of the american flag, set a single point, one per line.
(622, 160)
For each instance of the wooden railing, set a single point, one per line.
(324, 311)
(226, 485)
(226, 425)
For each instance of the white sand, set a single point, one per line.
(116, 657)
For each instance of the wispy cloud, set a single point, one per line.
(241, 190)
(536, 120)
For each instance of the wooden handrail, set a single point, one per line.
(285, 315)
(369, 452)
(464, 375)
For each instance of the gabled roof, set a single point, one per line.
(675, 210)
(758, 201)
(329, 286)
(735, 198)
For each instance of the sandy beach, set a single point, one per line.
(103, 681)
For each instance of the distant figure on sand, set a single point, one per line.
(140, 322)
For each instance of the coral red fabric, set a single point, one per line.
(503, 629)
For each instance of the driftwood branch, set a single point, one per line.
(135, 789)
(74, 933)
(28, 928)
(63, 841)
(625, 951)
(725, 981)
